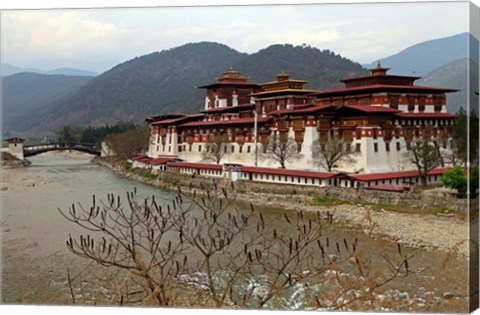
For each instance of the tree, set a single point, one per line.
(465, 131)
(131, 142)
(331, 151)
(201, 250)
(456, 179)
(216, 148)
(281, 149)
(69, 134)
(424, 155)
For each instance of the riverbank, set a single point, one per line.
(433, 230)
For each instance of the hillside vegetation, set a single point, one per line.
(454, 75)
(25, 92)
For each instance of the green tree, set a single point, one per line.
(456, 179)
(69, 134)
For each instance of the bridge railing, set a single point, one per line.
(60, 145)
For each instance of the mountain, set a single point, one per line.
(25, 92)
(164, 82)
(8, 69)
(423, 58)
(454, 75)
(72, 71)
(323, 69)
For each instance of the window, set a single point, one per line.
(233, 149)
(421, 104)
(199, 148)
(375, 147)
(411, 103)
(387, 146)
(398, 146)
(240, 149)
(248, 149)
(394, 102)
(358, 147)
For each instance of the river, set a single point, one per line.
(35, 258)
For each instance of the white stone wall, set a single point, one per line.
(16, 149)
(367, 161)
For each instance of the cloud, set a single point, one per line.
(56, 33)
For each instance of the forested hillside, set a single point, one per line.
(23, 93)
(453, 75)
(323, 69)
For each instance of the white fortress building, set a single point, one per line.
(376, 116)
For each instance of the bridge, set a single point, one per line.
(32, 150)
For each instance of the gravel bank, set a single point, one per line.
(429, 231)
(444, 233)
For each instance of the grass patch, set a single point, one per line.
(326, 201)
(5, 156)
(407, 209)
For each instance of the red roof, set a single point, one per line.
(301, 110)
(279, 171)
(387, 187)
(371, 109)
(382, 87)
(226, 122)
(393, 175)
(176, 120)
(426, 115)
(163, 160)
(229, 83)
(384, 76)
(138, 157)
(196, 165)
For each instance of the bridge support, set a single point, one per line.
(15, 147)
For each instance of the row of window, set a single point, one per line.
(387, 146)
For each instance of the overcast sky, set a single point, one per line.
(97, 39)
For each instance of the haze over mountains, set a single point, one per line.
(163, 82)
(8, 69)
(423, 58)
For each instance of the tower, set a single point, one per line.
(15, 147)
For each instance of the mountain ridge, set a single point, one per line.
(164, 82)
(424, 57)
(9, 69)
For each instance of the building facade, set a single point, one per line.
(376, 116)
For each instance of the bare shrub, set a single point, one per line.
(201, 250)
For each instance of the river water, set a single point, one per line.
(35, 258)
